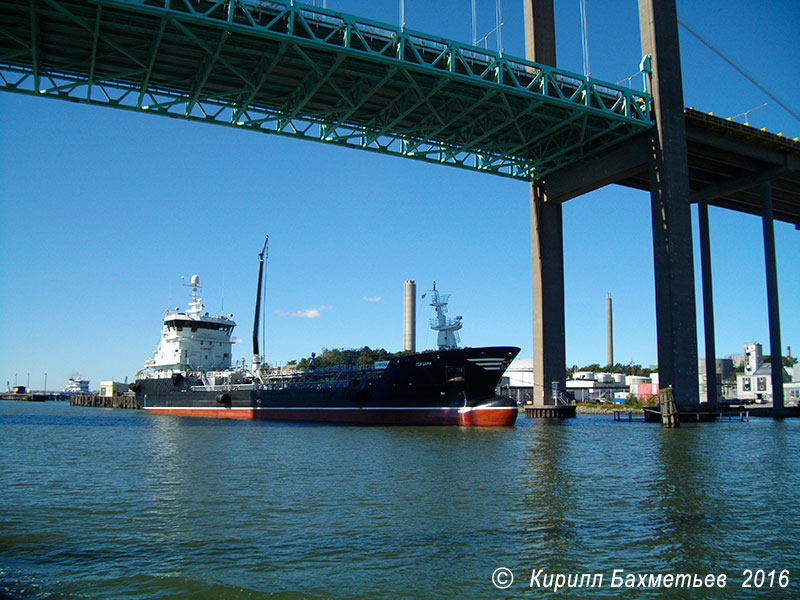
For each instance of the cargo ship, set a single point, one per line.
(191, 373)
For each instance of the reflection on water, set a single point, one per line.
(98, 503)
(551, 491)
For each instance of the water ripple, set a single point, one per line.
(98, 503)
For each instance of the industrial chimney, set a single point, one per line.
(410, 316)
(609, 331)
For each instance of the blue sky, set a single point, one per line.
(102, 211)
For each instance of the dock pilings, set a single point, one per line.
(123, 401)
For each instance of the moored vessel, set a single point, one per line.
(76, 385)
(191, 373)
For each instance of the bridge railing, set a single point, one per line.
(382, 41)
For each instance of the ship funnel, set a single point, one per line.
(410, 316)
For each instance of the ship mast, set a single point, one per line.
(263, 254)
(196, 305)
(447, 328)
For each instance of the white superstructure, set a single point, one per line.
(76, 385)
(193, 340)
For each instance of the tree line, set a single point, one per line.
(338, 356)
(631, 369)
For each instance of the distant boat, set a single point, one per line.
(76, 385)
(191, 374)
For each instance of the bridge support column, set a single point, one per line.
(772, 298)
(547, 247)
(708, 307)
(547, 260)
(676, 324)
(540, 32)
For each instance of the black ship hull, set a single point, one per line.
(445, 387)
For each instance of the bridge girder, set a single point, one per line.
(307, 72)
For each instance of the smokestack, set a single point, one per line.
(410, 316)
(609, 331)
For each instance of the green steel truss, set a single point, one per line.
(292, 69)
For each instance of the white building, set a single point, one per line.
(587, 386)
(755, 384)
(517, 381)
(791, 391)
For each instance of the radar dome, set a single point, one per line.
(195, 280)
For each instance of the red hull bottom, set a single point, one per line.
(475, 417)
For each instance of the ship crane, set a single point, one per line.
(257, 358)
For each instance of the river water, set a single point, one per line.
(98, 503)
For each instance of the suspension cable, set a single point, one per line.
(739, 69)
(584, 40)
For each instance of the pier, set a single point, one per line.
(104, 401)
(27, 396)
(553, 411)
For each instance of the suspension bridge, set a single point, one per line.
(297, 70)
(292, 69)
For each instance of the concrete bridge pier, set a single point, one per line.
(667, 154)
(547, 248)
(676, 324)
(772, 299)
(773, 313)
(708, 307)
(547, 259)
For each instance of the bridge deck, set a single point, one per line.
(293, 69)
(727, 163)
(728, 160)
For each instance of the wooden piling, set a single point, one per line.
(669, 411)
(550, 411)
(123, 401)
(618, 415)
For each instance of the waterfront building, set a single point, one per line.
(755, 383)
(585, 386)
(588, 386)
(109, 389)
(517, 381)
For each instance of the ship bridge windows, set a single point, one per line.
(179, 324)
